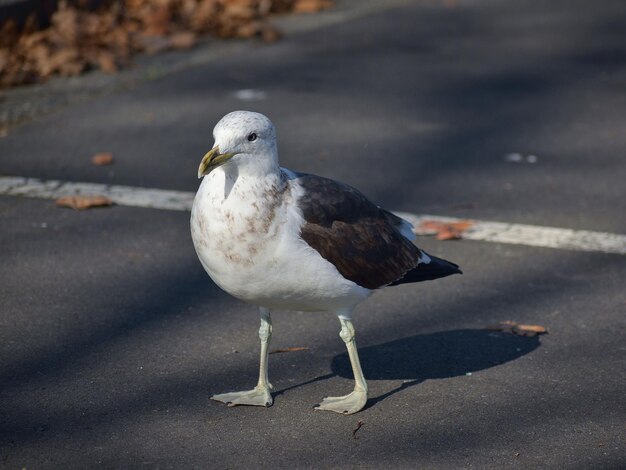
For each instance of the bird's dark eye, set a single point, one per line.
(252, 137)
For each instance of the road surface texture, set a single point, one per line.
(112, 337)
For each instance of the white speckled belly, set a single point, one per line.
(246, 234)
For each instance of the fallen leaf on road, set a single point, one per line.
(106, 61)
(183, 40)
(295, 348)
(84, 202)
(269, 33)
(104, 158)
(311, 6)
(518, 329)
(443, 230)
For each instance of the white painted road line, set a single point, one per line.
(499, 232)
(531, 235)
(120, 195)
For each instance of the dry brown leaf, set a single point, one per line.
(444, 230)
(66, 21)
(102, 158)
(71, 69)
(58, 61)
(270, 34)
(106, 61)
(80, 38)
(518, 329)
(4, 60)
(183, 40)
(532, 328)
(8, 33)
(310, 6)
(202, 15)
(248, 30)
(283, 350)
(157, 21)
(84, 202)
(238, 11)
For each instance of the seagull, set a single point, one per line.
(279, 239)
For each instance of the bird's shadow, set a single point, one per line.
(438, 355)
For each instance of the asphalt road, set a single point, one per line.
(112, 337)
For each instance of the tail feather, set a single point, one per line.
(436, 268)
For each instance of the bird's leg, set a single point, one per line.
(265, 334)
(356, 400)
(259, 395)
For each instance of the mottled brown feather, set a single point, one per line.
(360, 239)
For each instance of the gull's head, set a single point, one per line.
(245, 140)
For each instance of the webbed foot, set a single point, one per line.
(258, 396)
(347, 404)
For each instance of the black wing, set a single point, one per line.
(360, 239)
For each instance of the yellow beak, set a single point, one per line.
(212, 160)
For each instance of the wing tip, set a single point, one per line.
(436, 268)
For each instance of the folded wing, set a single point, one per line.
(364, 242)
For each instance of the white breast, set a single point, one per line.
(246, 234)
